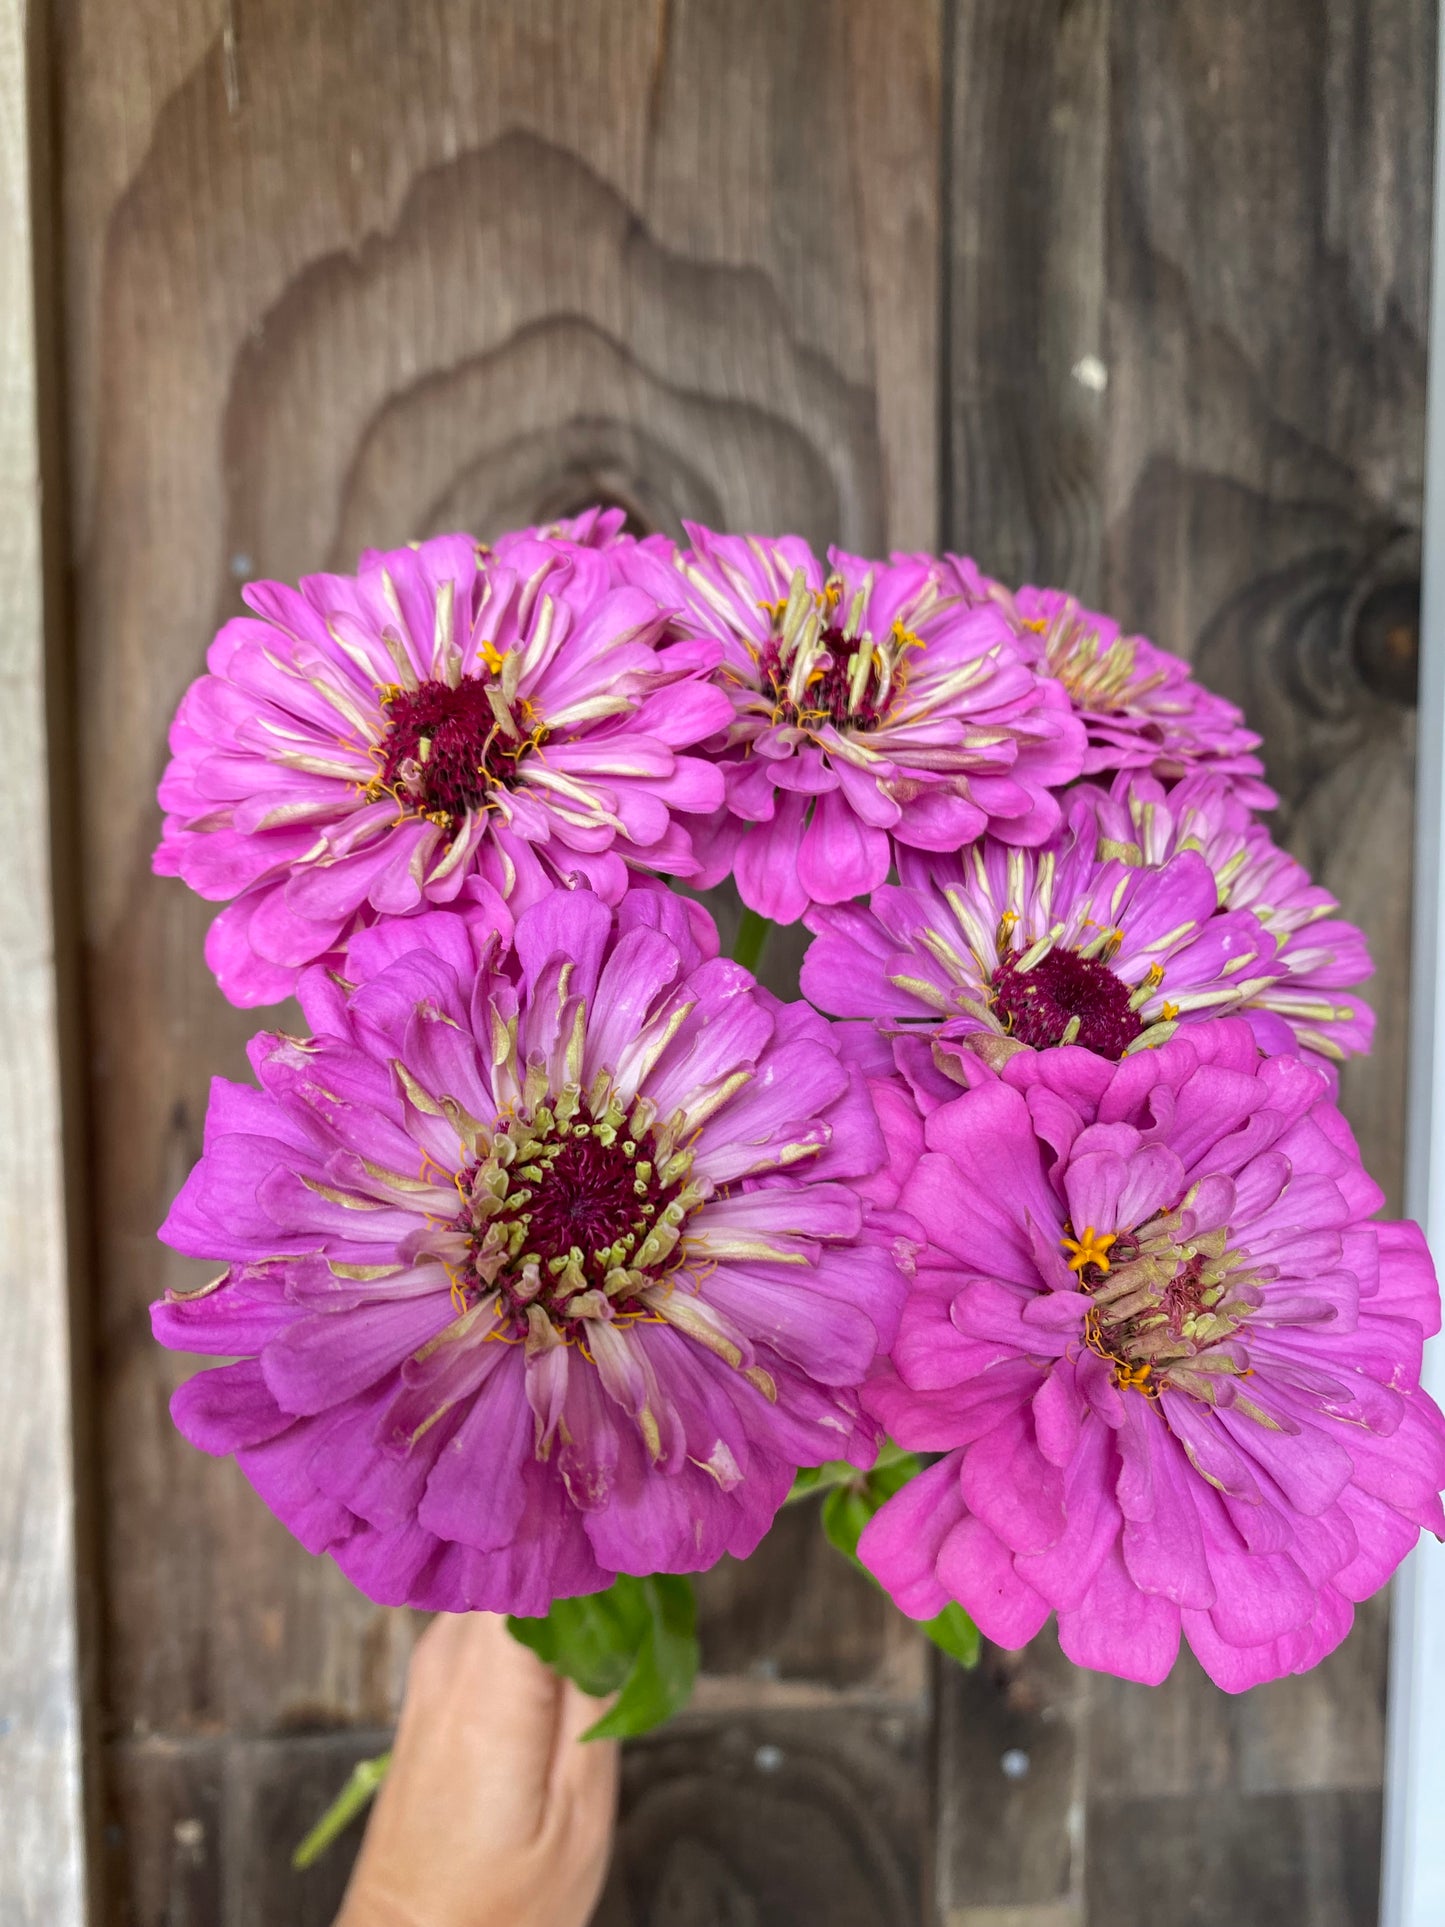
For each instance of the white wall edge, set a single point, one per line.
(1412, 1891)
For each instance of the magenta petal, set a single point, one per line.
(1165, 1553)
(227, 1408)
(1008, 1483)
(1064, 1572)
(279, 1470)
(978, 1570)
(1119, 1629)
(324, 1359)
(900, 1544)
(467, 1499)
(387, 1565)
(766, 867)
(840, 856)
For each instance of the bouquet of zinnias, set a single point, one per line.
(560, 1253)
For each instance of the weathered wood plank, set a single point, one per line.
(1253, 1860)
(1025, 290)
(456, 264)
(1026, 415)
(1267, 239)
(1268, 245)
(1186, 375)
(811, 1819)
(796, 1612)
(203, 1829)
(43, 1875)
(1011, 1754)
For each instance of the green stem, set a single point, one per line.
(752, 940)
(354, 1797)
(831, 1476)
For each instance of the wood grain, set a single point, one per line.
(1026, 207)
(816, 1820)
(1012, 1751)
(1267, 362)
(811, 1818)
(204, 1829)
(1267, 309)
(1227, 206)
(43, 1874)
(1310, 1859)
(343, 276)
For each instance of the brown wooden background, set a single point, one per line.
(1128, 296)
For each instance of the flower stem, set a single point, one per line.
(752, 940)
(813, 1481)
(354, 1797)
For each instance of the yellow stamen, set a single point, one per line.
(1091, 1249)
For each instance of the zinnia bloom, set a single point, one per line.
(1035, 948)
(594, 528)
(872, 711)
(544, 1264)
(361, 746)
(1172, 1360)
(1317, 954)
(1141, 706)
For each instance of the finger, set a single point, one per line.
(583, 1796)
(578, 1762)
(480, 1700)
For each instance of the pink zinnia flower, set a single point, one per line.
(594, 528)
(1317, 954)
(1028, 949)
(872, 711)
(1141, 706)
(1172, 1360)
(364, 744)
(543, 1264)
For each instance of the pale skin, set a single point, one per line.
(494, 1813)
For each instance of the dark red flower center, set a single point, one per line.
(827, 697)
(444, 748)
(1038, 1006)
(589, 1196)
(1160, 1306)
(1184, 1294)
(580, 1207)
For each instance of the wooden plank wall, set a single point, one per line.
(1127, 296)
(1205, 395)
(42, 1821)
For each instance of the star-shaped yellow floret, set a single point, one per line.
(1091, 1249)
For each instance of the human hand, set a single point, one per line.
(493, 1814)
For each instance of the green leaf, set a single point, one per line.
(814, 1479)
(354, 1797)
(751, 940)
(662, 1675)
(593, 1640)
(845, 1513)
(638, 1640)
(954, 1633)
(846, 1510)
